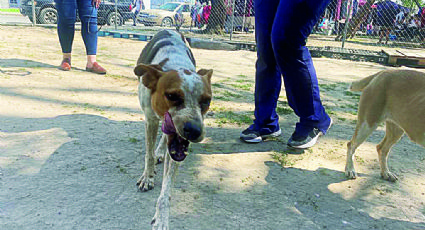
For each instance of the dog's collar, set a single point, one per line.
(168, 124)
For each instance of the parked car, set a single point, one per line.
(46, 13)
(165, 15)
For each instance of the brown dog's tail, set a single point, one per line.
(359, 85)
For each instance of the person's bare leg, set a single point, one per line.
(93, 66)
(90, 60)
(67, 55)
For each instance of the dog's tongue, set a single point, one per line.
(168, 125)
(177, 146)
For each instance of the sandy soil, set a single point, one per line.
(72, 146)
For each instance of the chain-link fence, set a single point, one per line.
(345, 23)
(394, 23)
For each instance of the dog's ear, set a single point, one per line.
(150, 73)
(206, 73)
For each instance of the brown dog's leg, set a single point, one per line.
(146, 181)
(393, 134)
(362, 132)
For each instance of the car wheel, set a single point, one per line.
(112, 17)
(167, 22)
(48, 16)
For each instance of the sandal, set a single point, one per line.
(65, 65)
(96, 68)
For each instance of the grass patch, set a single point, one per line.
(229, 117)
(331, 112)
(246, 87)
(284, 110)
(216, 108)
(221, 98)
(115, 76)
(247, 179)
(227, 96)
(218, 85)
(328, 87)
(122, 169)
(353, 95)
(87, 106)
(132, 140)
(230, 94)
(283, 159)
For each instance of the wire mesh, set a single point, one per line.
(384, 23)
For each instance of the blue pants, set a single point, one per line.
(67, 14)
(282, 27)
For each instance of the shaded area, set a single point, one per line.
(89, 182)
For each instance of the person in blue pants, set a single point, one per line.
(282, 27)
(67, 14)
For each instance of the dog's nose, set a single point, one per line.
(192, 131)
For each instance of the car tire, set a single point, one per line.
(110, 20)
(167, 22)
(48, 16)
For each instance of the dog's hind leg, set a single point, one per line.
(162, 214)
(393, 134)
(146, 181)
(161, 150)
(362, 132)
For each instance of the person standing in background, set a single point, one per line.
(281, 30)
(137, 6)
(67, 14)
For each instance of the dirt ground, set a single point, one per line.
(72, 146)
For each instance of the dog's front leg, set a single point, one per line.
(161, 218)
(146, 181)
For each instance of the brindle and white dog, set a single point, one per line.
(170, 90)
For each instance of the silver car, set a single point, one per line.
(165, 15)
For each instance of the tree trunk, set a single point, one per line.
(217, 18)
(360, 17)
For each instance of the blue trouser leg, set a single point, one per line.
(267, 77)
(285, 28)
(67, 11)
(88, 16)
(67, 14)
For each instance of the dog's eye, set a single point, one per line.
(174, 97)
(205, 104)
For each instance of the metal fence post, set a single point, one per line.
(244, 12)
(34, 19)
(233, 19)
(116, 14)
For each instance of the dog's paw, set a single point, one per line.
(159, 225)
(389, 176)
(350, 174)
(145, 183)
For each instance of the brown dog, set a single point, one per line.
(396, 97)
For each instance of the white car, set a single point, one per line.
(165, 15)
